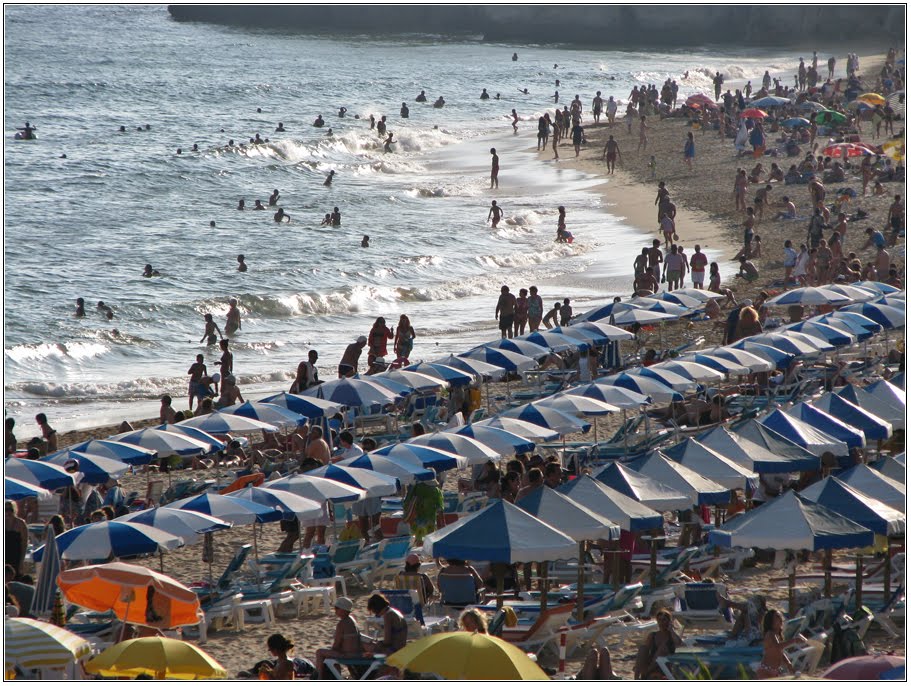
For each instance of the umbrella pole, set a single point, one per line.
(161, 560)
(542, 586)
(887, 572)
(827, 563)
(499, 575)
(596, 428)
(792, 580)
(255, 549)
(580, 584)
(487, 393)
(859, 581)
(653, 561)
(625, 432)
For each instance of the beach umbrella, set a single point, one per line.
(573, 519)
(545, 417)
(883, 288)
(553, 340)
(520, 427)
(846, 326)
(689, 370)
(790, 522)
(829, 117)
(475, 367)
(850, 321)
(795, 123)
(412, 379)
(898, 380)
(37, 473)
(603, 312)
(803, 434)
(608, 331)
(700, 99)
(679, 298)
(833, 493)
(753, 362)
(517, 345)
(873, 427)
(753, 113)
(116, 450)
(698, 488)
(872, 98)
(504, 442)
(894, 148)
(644, 489)
(463, 656)
(665, 376)
(32, 644)
(628, 514)
(48, 569)
(157, 657)
(791, 343)
(588, 337)
(123, 589)
(375, 484)
(505, 359)
(779, 358)
(290, 504)
(645, 385)
(228, 508)
(102, 539)
(422, 456)
(352, 393)
(887, 392)
(659, 305)
(829, 425)
(892, 300)
(310, 407)
(754, 456)
(405, 472)
(719, 364)
(165, 443)
(811, 106)
(193, 432)
(402, 390)
(809, 295)
(453, 376)
(314, 489)
(618, 396)
(95, 469)
(770, 101)
(867, 668)
(500, 532)
(829, 334)
(280, 417)
(875, 485)
(577, 405)
(760, 434)
(642, 316)
(873, 405)
(845, 150)
(189, 525)
(224, 423)
(699, 294)
(13, 489)
(711, 464)
(891, 467)
(473, 451)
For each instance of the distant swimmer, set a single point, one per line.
(280, 216)
(240, 204)
(341, 111)
(387, 146)
(515, 122)
(212, 224)
(336, 217)
(327, 220)
(273, 199)
(421, 97)
(105, 310)
(404, 112)
(139, 128)
(496, 212)
(63, 156)
(179, 151)
(257, 139)
(439, 102)
(494, 168)
(230, 142)
(123, 129)
(259, 110)
(211, 327)
(280, 128)
(556, 96)
(80, 308)
(381, 126)
(484, 94)
(232, 322)
(515, 57)
(372, 122)
(329, 132)
(497, 96)
(524, 91)
(258, 205)
(365, 241)
(195, 147)
(241, 265)
(149, 272)
(328, 181)
(318, 122)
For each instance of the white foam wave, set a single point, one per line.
(74, 350)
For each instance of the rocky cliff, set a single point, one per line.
(592, 25)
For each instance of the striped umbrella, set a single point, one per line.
(547, 418)
(623, 398)
(278, 416)
(116, 450)
(690, 370)
(520, 427)
(587, 337)
(189, 525)
(603, 312)
(49, 476)
(48, 569)
(473, 451)
(473, 366)
(377, 485)
(846, 325)
(31, 644)
(193, 432)
(352, 393)
(289, 504)
(665, 376)
(643, 316)
(885, 315)
(95, 468)
(518, 345)
(100, 540)
(755, 363)
(223, 423)
(455, 377)
(164, 443)
(405, 472)
(13, 489)
(421, 455)
(311, 408)
(719, 364)
(830, 334)
(229, 508)
(508, 360)
(650, 386)
(856, 293)
(659, 305)
(553, 340)
(315, 489)
(504, 442)
(414, 380)
(776, 356)
(877, 286)
(809, 295)
(608, 331)
(682, 299)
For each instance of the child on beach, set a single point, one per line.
(652, 168)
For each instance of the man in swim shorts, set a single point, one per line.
(505, 311)
(611, 153)
(494, 169)
(348, 365)
(494, 215)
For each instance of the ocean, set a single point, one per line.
(85, 225)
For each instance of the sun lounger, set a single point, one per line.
(409, 604)
(457, 591)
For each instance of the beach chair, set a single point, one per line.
(339, 555)
(221, 589)
(884, 614)
(154, 492)
(383, 561)
(361, 668)
(457, 591)
(408, 602)
(260, 599)
(700, 603)
(722, 663)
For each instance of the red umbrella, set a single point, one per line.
(843, 149)
(754, 113)
(700, 99)
(862, 667)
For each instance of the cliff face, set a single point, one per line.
(593, 25)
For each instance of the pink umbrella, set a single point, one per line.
(862, 667)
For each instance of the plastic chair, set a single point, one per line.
(457, 590)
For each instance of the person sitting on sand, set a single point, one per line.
(283, 668)
(597, 666)
(748, 270)
(657, 644)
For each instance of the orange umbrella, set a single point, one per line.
(137, 595)
(754, 113)
(846, 150)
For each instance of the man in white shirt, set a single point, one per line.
(347, 447)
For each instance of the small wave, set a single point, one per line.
(427, 193)
(74, 350)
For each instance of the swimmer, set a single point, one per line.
(80, 308)
(195, 147)
(421, 97)
(123, 129)
(105, 310)
(365, 241)
(258, 205)
(328, 181)
(179, 151)
(329, 132)
(139, 128)
(439, 102)
(240, 204)
(387, 146)
(494, 168)
(257, 139)
(273, 199)
(515, 122)
(524, 91)
(232, 322)
(484, 95)
(497, 96)
(404, 112)
(495, 214)
(318, 122)
(280, 128)
(327, 220)
(211, 328)
(259, 110)
(241, 265)
(341, 111)
(212, 224)
(280, 216)
(336, 217)
(381, 126)
(149, 272)
(372, 122)
(63, 156)
(515, 57)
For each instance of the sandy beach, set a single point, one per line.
(705, 215)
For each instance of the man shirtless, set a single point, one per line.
(346, 641)
(505, 311)
(232, 322)
(495, 214)
(494, 168)
(611, 153)
(317, 448)
(896, 219)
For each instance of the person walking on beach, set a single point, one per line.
(404, 340)
(718, 80)
(232, 321)
(520, 318)
(597, 106)
(643, 135)
(689, 151)
(494, 168)
(211, 327)
(896, 219)
(379, 334)
(535, 309)
(505, 311)
(495, 214)
(611, 153)
(348, 365)
(740, 189)
(655, 258)
(196, 372)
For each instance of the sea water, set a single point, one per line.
(85, 225)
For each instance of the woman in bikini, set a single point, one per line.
(658, 644)
(774, 662)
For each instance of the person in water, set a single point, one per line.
(280, 216)
(439, 102)
(484, 94)
(105, 310)
(421, 97)
(148, 271)
(381, 126)
(404, 112)
(494, 168)
(241, 265)
(327, 220)
(258, 205)
(495, 214)
(273, 199)
(232, 323)
(209, 334)
(365, 241)
(387, 146)
(341, 111)
(328, 181)
(241, 204)
(336, 217)
(27, 132)
(318, 122)
(80, 307)
(280, 128)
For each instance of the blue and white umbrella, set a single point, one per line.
(719, 364)
(809, 295)
(517, 345)
(795, 123)
(406, 472)
(577, 405)
(222, 423)
(811, 106)
(895, 416)
(116, 450)
(875, 485)
(663, 306)
(228, 508)
(897, 301)
(193, 432)
(546, 418)
(573, 519)
(603, 312)
(649, 386)
(753, 362)
(289, 504)
(189, 525)
(699, 488)
(606, 332)
(102, 539)
(791, 343)
(668, 378)
(504, 442)
(455, 377)
(587, 336)
(852, 319)
(642, 316)
(553, 340)
(776, 356)
(473, 451)
(48, 569)
(781, 446)
(412, 379)
(803, 434)
(528, 430)
(873, 427)
(889, 317)
(877, 286)
(375, 484)
(277, 416)
(888, 393)
(474, 366)
(165, 443)
(770, 101)
(13, 489)
(829, 424)
(506, 359)
(317, 489)
(618, 396)
(699, 294)
(403, 390)
(753, 456)
(95, 468)
(710, 464)
(353, 393)
(678, 298)
(421, 455)
(830, 334)
(855, 293)
(628, 514)
(310, 407)
(42, 474)
(690, 370)
(833, 493)
(644, 489)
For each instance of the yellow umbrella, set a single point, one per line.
(872, 98)
(158, 657)
(469, 656)
(895, 148)
(33, 644)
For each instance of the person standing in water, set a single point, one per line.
(515, 122)
(495, 214)
(336, 217)
(232, 322)
(80, 307)
(387, 146)
(328, 181)
(273, 199)
(226, 361)
(211, 327)
(494, 169)
(241, 265)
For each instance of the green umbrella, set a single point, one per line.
(829, 117)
